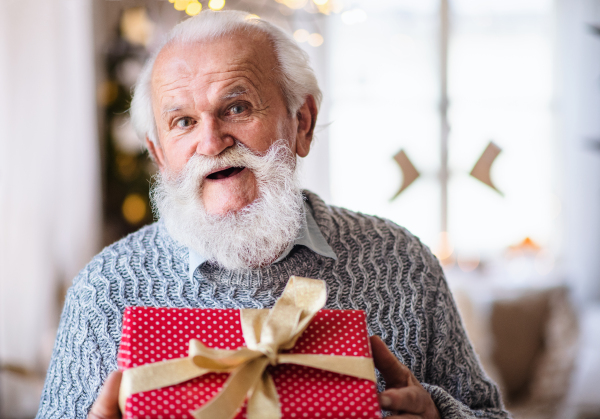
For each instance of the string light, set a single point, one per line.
(216, 4)
(284, 10)
(295, 4)
(181, 5)
(315, 39)
(324, 9)
(301, 35)
(136, 26)
(468, 264)
(336, 6)
(193, 8)
(444, 248)
(134, 208)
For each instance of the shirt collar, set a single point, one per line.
(310, 236)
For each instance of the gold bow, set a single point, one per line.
(267, 333)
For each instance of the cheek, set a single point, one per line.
(259, 137)
(177, 155)
(287, 127)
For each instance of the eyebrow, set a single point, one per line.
(235, 92)
(231, 94)
(174, 109)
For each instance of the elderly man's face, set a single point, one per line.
(206, 95)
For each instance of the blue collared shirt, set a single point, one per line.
(310, 236)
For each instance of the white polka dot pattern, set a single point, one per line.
(157, 334)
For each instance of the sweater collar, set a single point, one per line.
(310, 235)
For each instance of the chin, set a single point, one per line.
(226, 196)
(226, 203)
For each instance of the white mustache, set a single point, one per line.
(236, 156)
(199, 167)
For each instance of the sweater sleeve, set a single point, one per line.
(79, 363)
(454, 376)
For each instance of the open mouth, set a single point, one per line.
(225, 173)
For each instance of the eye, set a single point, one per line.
(184, 122)
(237, 109)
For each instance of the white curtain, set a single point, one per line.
(579, 97)
(49, 178)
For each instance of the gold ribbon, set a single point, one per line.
(267, 333)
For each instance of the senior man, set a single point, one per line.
(225, 107)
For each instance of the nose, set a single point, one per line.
(212, 139)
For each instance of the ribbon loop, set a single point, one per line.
(267, 333)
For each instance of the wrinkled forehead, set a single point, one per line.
(247, 53)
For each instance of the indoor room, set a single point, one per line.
(472, 124)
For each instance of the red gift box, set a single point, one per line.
(152, 335)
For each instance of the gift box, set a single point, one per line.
(153, 335)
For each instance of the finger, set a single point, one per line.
(410, 399)
(394, 372)
(106, 405)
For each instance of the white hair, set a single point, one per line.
(294, 74)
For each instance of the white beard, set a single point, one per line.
(252, 237)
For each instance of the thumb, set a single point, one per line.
(106, 405)
(396, 374)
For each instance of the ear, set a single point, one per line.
(307, 118)
(156, 153)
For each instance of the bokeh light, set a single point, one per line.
(216, 4)
(468, 263)
(136, 27)
(301, 35)
(444, 248)
(295, 4)
(193, 8)
(284, 10)
(134, 208)
(315, 39)
(181, 5)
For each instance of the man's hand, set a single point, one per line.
(404, 394)
(106, 405)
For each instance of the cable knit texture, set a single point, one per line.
(381, 269)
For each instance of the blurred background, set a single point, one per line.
(473, 123)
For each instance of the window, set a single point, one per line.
(388, 87)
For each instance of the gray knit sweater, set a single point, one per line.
(380, 268)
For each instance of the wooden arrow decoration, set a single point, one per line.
(409, 172)
(481, 170)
